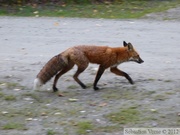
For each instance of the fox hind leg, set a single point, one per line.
(78, 72)
(82, 62)
(63, 71)
(116, 71)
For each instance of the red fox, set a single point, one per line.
(83, 55)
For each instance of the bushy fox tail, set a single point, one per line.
(51, 68)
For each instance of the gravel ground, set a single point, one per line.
(28, 43)
(171, 14)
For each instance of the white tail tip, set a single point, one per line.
(37, 84)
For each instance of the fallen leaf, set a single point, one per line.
(102, 104)
(36, 12)
(29, 119)
(98, 25)
(60, 95)
(72, 99)
(82, 111)
(56, 24)
(43, 114)
(92, 104)
(95, 11)
(3, 84)
(57, 113)
(153, 110)
(28, 99)
(17, 89)
(5, 112)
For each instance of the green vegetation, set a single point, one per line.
(51, 132)
(11, 85)
(34, 97)
(12, 125)
(124, 116)
(84, 127)
(161, 97)
(1, 94)
(73, 87)
(10, 97)
(109, 128)
(118, 9)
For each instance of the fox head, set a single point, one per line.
(133, 55)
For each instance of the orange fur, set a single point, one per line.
(81, 56)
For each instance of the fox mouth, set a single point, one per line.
(139, 61)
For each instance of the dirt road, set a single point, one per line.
(28, 43)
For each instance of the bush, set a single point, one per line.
(24, 2)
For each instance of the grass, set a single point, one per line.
(109, 128)
(10, 98)
(126, 9)
(127, 94)
(1, 94)
(160, 97)
(124, 116)
(167, 81)
(73, 87)
(11, 85)
(83, 127)
(34, 96)
(122, 94)
(11, 125)
(50, 132)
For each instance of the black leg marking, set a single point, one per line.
(98, 76)
(116, 71)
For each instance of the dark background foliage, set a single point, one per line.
(23, 2)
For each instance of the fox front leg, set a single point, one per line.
(116, 71)
(98, 76)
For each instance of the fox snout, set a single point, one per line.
(136, 59)
(139, 61)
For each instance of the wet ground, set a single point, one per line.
(28, 43)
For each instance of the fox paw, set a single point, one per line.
(131, 82)
(83, 86)
(96, 88)
(55, 89)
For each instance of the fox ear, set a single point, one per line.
(124, 43)
(130, 47)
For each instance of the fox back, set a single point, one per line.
(104, 55)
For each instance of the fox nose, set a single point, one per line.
(140, 61)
